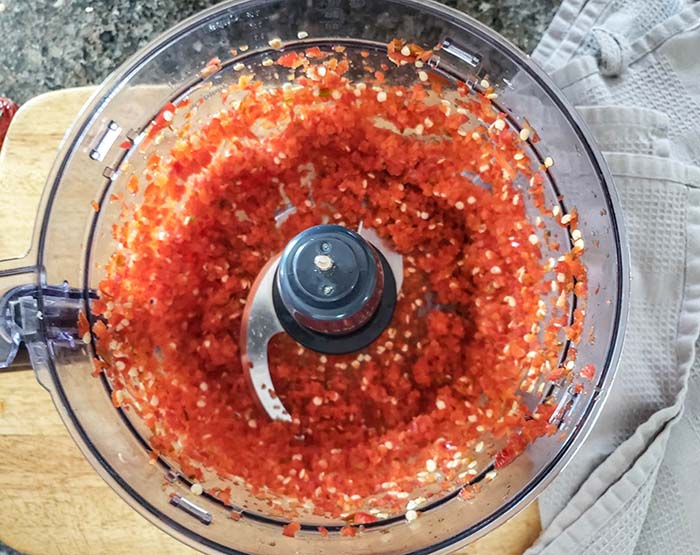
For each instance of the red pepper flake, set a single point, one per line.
(211, 67)
(363, 518)
(83, 324)
(315, 53)
(291, 60)
(95, 205)
(470, 492)
(588, 371)
(291, 529)
(515, 446)
(236, 515)
(183, 103)
(99, 329)
(503, 458)
(348, 531)
(557, 373)
(400, 52)
(323, 531)
(133, 185)
(437, 82)
(153, 161)
(116, 402)
(224, 495)
(162, 120)
(127, 144)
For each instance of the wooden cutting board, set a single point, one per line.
(51, 501)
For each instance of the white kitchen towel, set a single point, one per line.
(601, 501)
(588, 26)
(633, 69)
(656, 69)
(629, 129)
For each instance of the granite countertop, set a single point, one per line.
(53, 44)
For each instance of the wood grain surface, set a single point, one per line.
(51, 501)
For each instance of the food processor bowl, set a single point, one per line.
(44, 293)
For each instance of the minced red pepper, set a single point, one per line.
(588, 371)
(291, 529)
(348, 531)
(363, 518)
(470, 327)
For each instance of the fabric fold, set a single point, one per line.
(631, 69)
(628, 129)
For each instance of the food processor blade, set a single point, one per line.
(260, 324)
(265, 310)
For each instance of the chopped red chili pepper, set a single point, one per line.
(350, 531)
(469, 323)
(291, 60)
(291, 529)
(133, 185)
(588, 371)
(83, 324)
(363, 518)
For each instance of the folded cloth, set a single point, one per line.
(629, 129)
(585, 26)
(611, 59)
(632, 70)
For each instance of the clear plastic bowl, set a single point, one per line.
(60, 266)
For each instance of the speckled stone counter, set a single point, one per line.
(53, 44)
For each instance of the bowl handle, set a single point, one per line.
(43, 318)
(16, 281)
